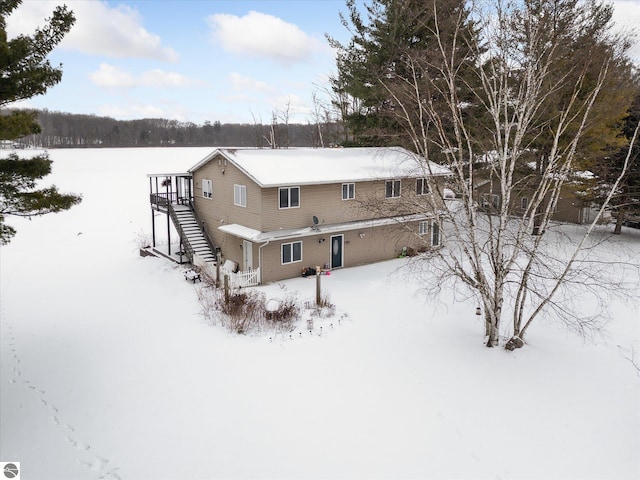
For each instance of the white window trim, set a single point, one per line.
(282, 245)
(394, 194)
(240, 195)
(289, 197)
(488, 198)
(431, 224)
(349, 190)
(426, 227)
(425, 190)
(207, 188)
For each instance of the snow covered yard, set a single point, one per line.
(109, 370)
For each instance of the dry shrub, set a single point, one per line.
(208, 305)
(324, 309)
(283, 317)
(244, 312)
(207, 275)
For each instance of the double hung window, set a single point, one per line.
(207, 188)
(291, 252)
(422, 186)
(240, 195)
(432, 228)
(289, 197)
(392, 188)
(348, 191)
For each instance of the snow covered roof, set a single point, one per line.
(253, 235)
(308, 166)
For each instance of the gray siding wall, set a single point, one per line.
(220, 209)
(325, 202)
(375, 244)
(262, 213)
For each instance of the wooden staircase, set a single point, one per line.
(194, 240)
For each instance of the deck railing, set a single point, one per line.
(163, 199)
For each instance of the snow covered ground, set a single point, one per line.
(108, 370)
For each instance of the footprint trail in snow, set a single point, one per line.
(95, 464)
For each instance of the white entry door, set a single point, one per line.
(247, 255)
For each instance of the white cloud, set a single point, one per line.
(110, 76)
(161, 79)
(99, 29)
(627, 17)
(263, 36)
(294, 103)
(244, 84)
(140, 111)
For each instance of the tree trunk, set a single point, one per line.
(493, 338)
(492, 330)
(619, 220)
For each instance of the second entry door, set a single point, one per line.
(337, 253)
(247, 255)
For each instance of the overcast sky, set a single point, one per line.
(231, 61)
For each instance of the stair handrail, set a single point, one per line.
(200, 223)
(183, 237)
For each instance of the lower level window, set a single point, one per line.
(291, 252)
(435, 233)
(432, 227)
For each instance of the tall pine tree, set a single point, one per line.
(395, 41)
(626, 201)
(25, 72)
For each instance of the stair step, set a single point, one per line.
(192, 233)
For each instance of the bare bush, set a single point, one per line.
(246, 311)
(243, 312)
(323, 309)
(142, 240)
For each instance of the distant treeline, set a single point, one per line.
(66, 130)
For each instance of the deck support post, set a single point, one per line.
(167, 182)
(153, 216)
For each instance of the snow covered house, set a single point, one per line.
(573, 205)
(275, 212)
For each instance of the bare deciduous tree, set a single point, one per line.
(535, 95)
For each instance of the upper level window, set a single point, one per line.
(422, 186)
(348, 191)
(490, 200)
(240, 195)
(392, 188)
(289, 197)
(207, 188)
(524, 202)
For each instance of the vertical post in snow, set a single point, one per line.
(318, 296)
(218, 259)
(226, 288)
